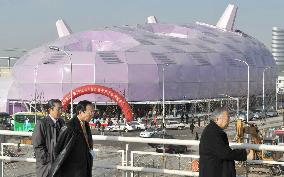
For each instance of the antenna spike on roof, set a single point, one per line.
(62, 28)
(228, 18)
(152, 19)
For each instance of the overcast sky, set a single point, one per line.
(26, 24)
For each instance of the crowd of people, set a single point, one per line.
(147, 114)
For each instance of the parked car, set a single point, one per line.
(174, 125)
(121, 127)
(138, 125)
(243, 115)
(148, 133)
(258, 114)
(271, 113)
(171, 148)
(160, 135)
(126, 127)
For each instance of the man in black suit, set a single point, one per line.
(216, 156)
(45, 136)
(73, 150)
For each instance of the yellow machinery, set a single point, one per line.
(255, 137)
(250, 131)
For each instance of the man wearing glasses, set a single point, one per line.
(45, 136)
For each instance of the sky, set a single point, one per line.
(27, 24)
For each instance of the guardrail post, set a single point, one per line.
(179, 161)
(122, 158)
(247, 140)
(132, 162)
(2, 161)
(247, 169)
(2, 141)
(153, 167)
(122, 161)
(126, 157)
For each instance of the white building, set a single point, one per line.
(277, 48)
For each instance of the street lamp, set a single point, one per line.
(35, 88)
(276, 90)
(71, 68)
(248, 88)
(263, 86)
(164, 95)
(164, 128)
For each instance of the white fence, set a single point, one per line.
(164, 159)
(127, 164)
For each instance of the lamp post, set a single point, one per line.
(71, 68)
(263, 95)
(163, 70)
(164, 127)
(248, 88)
(276, 90)
(35, 89)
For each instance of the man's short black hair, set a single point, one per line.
(218, 111)
(51, 104)
(81, 106)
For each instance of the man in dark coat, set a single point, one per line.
(74, 147)
(191, 127)
(216, 156)
(45, 136)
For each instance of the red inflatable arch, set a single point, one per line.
(97, 89)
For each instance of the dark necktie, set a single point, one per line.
(57, 127)
(55, 133)
(85, 132)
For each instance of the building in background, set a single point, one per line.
(277, 48)
(200, 62)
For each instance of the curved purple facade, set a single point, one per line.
(201, 63)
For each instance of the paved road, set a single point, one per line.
(184, 134)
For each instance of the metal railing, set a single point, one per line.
(127, 164)
(183, 168)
